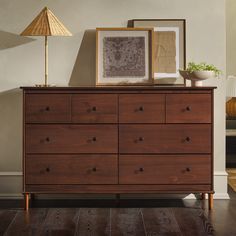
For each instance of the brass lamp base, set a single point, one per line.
(45, 85)
(231, 108)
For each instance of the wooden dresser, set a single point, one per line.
(118, 140)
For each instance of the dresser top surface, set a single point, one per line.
(120, 88)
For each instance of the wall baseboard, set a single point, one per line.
(12, 173)
(11, 196)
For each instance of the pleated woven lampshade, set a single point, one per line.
(46, 24)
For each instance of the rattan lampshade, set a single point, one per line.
(46, 24)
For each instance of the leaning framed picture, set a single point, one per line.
(124, 56)
(169, 48)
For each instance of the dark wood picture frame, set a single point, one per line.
(176, 23)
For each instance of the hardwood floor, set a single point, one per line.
(132, 217)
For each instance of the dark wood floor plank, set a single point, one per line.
(127, 222)
(27, 223)
(192, 222)
(6, 217)
(160, 221)
(60, 221)
(94, 222)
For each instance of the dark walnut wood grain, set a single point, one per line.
(119, 188)
(188, 108)
(180, 138)
(168, 169)
(142, 108)
(94, 108)
(118, 140)
(71, 139)
(47, 108)
(71, 169)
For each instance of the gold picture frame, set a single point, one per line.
(124, 56)
(169, 48)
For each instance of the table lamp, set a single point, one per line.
(231, 92)
(46, 24)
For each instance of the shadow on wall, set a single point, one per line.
(84, 71)
(10, 40)
(11, 130)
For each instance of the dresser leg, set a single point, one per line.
(26, 201)
(210, 201)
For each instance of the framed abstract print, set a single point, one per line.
(169, 49)
(124, 56)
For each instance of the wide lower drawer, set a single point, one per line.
(170, 138)
(165, 169)
(71, 139)
(71, 169)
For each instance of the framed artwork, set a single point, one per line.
(169, 48)
(124, 56)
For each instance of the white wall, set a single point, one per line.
(231, 37)
(71, 59)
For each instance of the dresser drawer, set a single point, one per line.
(71, 169)
(142, 108)
(71, 139)
(188, 108)
(94, 108)
(47, 108)
(165, 138)
(168, 169)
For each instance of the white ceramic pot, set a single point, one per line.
(197, 77)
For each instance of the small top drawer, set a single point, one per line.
(188, 108)
(94, 108)
(142, 108)
(47, 108)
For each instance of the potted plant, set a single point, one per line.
(199, 72)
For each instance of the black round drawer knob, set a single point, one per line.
(47, 108)
(48, 169)
(141, 169)
(94, 108)
(188, 169)
(94, 139)
(188, 108)
(141, 139)
(141, 108)
(94, 169)
(188, 139)
(47, 139)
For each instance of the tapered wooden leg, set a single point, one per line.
(26, 201)
(203, 196)
(210, 201)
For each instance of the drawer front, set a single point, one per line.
(47, 108)
(165, 138)
(168, 169)
(142, 108)
(188, 108)
(71, 169)
(94, 108)
(71, 139)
